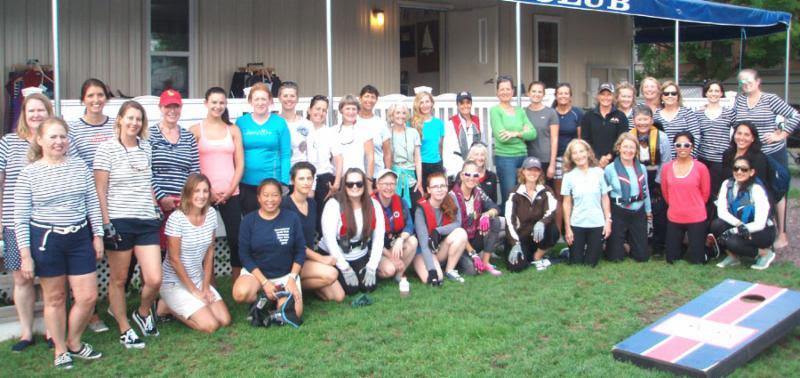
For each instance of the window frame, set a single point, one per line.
(538, 19)
(191, 55)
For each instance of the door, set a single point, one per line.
(472, 61)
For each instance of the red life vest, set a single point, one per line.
(398, 222)
(430, 215)
(457, 122)
(343, 229)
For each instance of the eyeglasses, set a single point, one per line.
(740, 168)
(438, 187)
(683, 145)
(669, 93)
(354, 184)
(473, 174)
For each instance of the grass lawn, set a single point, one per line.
(560, 322)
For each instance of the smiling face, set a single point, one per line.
(742, 171)
(318, 113)
(170, 113)
(465, 108)
(605, 99)
(288, 99)
(670, 96)
(627, 150)
(260, 101)
(505, 91)
(470, 176)
(216, 104)
(269, 198)
(368, 101)
(479, 157)
(35, 113)
(94, 99)
(53, 139)
(650, 90)
(425, 105)
(400, 116)
(532, 175)
(714, 93)
(683, 147)
(437, 187)
(349, 114)
(354, 185)
(643, 123)
(303, 181)
(579, 155)
(748, 82)
(564, 96)
(387, 186)
(743, 137)
(536, 94)
(200, 195)
(130, 123)
(625, 99)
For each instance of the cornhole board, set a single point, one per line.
(716, 332)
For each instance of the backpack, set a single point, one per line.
(779, 177)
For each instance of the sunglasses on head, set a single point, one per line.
(354, 184)
(683, 145)
(669, 93)
(741, 168)
(473, 174)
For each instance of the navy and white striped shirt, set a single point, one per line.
(716, 134)
(194, 244)
(763, 116)
(13, 157)
(172, 163)
(57, 195)
(85, 137)
(130, 179)
(685, 120)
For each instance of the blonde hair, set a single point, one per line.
(393, 108)
(349, 100)
(624, 85)
(192, 182)
(670, 83)
(622, 138)
(645, 80)
(130, 104)
(23, 129)
(258, 87)
(569, 164)
(417, 121)
(35, 151)
(478, 147)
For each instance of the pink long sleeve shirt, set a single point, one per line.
(686, 196)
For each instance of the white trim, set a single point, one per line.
(537, 19)
(191, 54)
(425, 5)
(483, 42)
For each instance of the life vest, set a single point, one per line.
(463, 143)
(469, 223)
(398, 222)
(430, 215)
(457, 122)
(343, 229)
(741, 206)
(652, 141)
(625, 182)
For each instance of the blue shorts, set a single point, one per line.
(135, 232)
(12, 259)
(57, 255)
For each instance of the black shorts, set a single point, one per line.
(134, 232)
(360, 267)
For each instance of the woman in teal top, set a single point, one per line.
(267, 146)
(511, 128)
(431, 130)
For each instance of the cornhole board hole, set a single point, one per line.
(716, 332)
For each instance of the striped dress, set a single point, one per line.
(13, 157)
(684, 120)
(85, 137)
(716, 134)
(763, 115)
(130, 188)
(58, 195)
(172, 163)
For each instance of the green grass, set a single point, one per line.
(560, 322)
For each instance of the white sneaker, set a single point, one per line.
(405, 287)
(130, 339)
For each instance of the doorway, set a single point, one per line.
(421, 47)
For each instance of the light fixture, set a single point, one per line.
(377, 18)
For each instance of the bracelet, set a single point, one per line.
(264, 282)
(293, 276)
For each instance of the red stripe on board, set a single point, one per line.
(737, 308)
(671, 348)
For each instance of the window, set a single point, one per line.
(547, 49)
(598, 74)
(170, 45)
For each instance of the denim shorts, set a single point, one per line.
(62, 254)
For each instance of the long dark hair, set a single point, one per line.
(347, 208)
(217, 90)
(747, 184)
(449, 207)
(756, 146)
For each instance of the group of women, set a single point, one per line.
(331, 210)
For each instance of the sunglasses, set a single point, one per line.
(669, 93)
(473, 174)
(683, 145)
(354, 184)
(742, 169)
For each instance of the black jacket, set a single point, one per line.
(601, 132)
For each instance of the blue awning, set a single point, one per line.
(699, 20)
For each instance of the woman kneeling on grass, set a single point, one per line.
(530, 215)
(186, 287)
(272, 249)
(744, 227)
(353, 232)
(437, 221)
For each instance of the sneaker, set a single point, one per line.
(405, 287)
(63, 361)
(454, 276)
(763, 261)
(129, 339)
(86, 352)
(98, 326)
(493, 270)
(147, 324)
(541, 264)
(728, 261)
(21, 345)
(564, 254)
(712, 247)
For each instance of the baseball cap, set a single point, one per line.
(463, 96)
(170, 97)
(384, 172)
(531, 162)
(606, 87)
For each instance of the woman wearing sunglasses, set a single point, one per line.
(479, 217)
(352, 232)
(744, 227)
(354, 142)
(675, 118)
(437, 221)
(765, 110)
(124, 181)
(686, 186)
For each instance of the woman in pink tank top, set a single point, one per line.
(219, 143)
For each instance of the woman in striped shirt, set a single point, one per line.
(674, 117)
(13, 157)
(715, 125)
(175, 155)
(763, 110)
(189, 267)
(123, 178)
(94, 127)
(53, 197)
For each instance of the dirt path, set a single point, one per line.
(792, 252)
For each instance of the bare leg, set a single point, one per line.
(452, 248)
(332, 292)
(54, 291)
(781, 240)
(388, 266)
(246, 289)
(24, 300)
(149, 257)
(84, 289)
(316, 275)
(422, 270)
(119, 262)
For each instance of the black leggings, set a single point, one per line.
(248, 195)
(231, 213)
(320, 192)
(631, 227)
(550, 239)
(696, 253)
(738, 245)
(586, 246)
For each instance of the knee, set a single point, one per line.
(389, 269)
(241, 293)
(412, 243)
(459, 235)
(20, 282)
(86, 299)
(330, 275)
(55, 299)
(152, 280)
(338, 295)
(208, 326)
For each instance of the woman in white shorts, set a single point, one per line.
(186, 287)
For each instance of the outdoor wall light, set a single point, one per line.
(377, 18)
